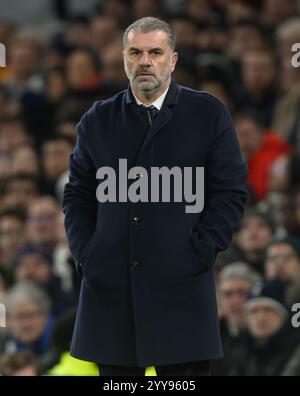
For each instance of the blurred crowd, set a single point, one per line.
(64, 55)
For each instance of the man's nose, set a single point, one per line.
(145, 59)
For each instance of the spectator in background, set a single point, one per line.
(235, 283)
(284, 174)
(20, 190)
(287, 34)
(217, 67)
(82, 70)
(118, 9)
(113, 72)
(272, 338)
(5, 170)
(198, 10)
(255, 233)
(29, 321)
(90, 75)
(25, 84)
(7, 31)
(25, 57)
(5, 283)
(258, 73)
(34, 265)
(276, 11)
(55, 153)
(12, 237)
(261, 148)
(41, 223)
(24, 159)
(13, 133)
(19, 364)
(104, 31)
(77, 34)
(185, 73)
(8, 108)
(251, 240)
(287, 115)
(144, 8)
(240, 10)
(219, 88)
(56, 87)
(211, 37)
(185, 30)
(67, 128)
(245, 36)
(283, 263)
(290, 212)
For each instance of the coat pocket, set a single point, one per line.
(204, 247)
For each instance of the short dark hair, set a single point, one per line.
(21, 177)
(58, 138)
(15, 213)
(90, 53)
(150, 24)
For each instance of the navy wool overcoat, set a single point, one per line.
(148, 292)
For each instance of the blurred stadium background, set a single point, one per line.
(62, 55)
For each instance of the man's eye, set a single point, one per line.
(157, 53)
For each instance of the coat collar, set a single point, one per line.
(165, 114)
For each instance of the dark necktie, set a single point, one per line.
(149, 113)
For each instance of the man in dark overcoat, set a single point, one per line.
(145, 252)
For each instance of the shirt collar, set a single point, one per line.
(157, 103)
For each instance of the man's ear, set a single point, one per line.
(175, 58)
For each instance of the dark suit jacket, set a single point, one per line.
(148, 291)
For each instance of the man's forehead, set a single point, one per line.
(231, 284)
(149, 40)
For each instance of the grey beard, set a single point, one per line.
(149, 89)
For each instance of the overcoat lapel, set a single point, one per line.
(164, 116)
